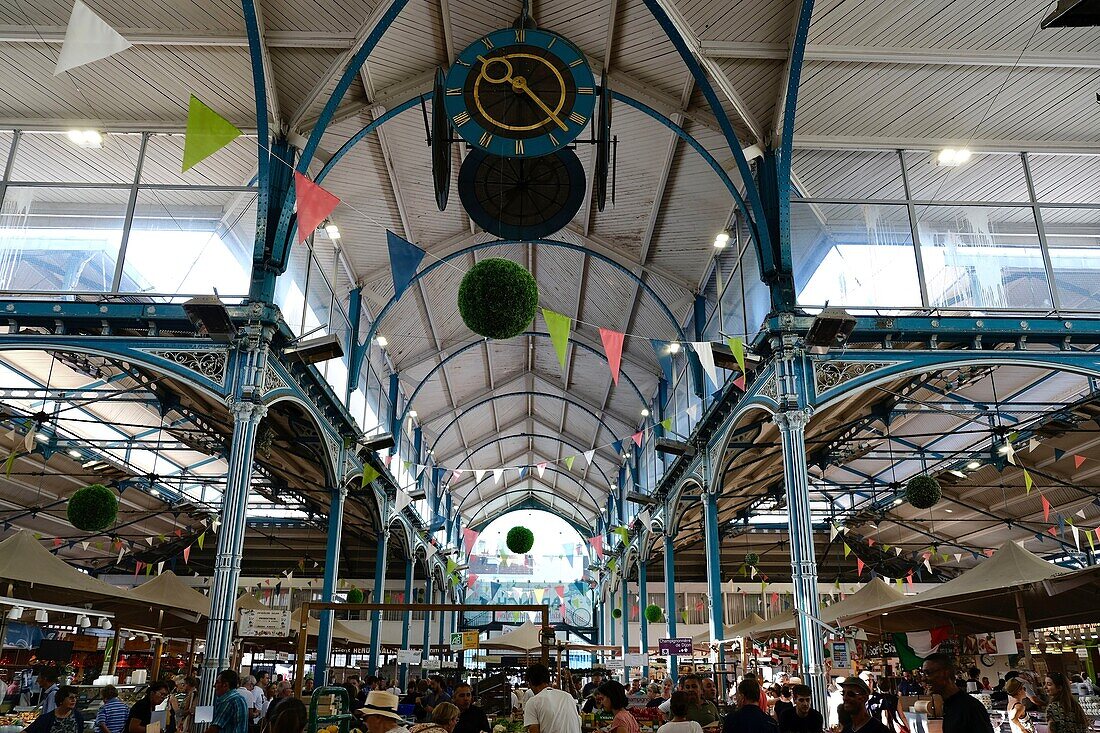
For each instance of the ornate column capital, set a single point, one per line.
(793, 419)
(244, 410)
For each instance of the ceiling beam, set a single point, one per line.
(977, 145)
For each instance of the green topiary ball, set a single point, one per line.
(93, 508)
(616, 613)
(498, 298)
(752, 559)
(923, 492)
(355, 595)
(654, 613)
(520, 540)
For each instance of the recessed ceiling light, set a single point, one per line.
(86, 138)
(722, 239)
(952, 157)
(973, 465)
(381, 341)
(674, 348)
(74, 453)
(332, 230)
(645, 412)
(949, 511)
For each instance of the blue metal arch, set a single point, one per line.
(523, 393)
(255, 52)
(548, 242)
(461, 350)
(538, 436)
(359, 136)
(550, 469)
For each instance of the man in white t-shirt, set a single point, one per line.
(548, 710)
(247, 691)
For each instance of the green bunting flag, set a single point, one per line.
(847, 550)
(612, 564)
(1027, 481)
(569, 463)
(451, 565)
(558, 325)
(667, 423)
(370, 473)
(201, 539)
(623, 533)
(684, 615)
(737, 346)
(207, 133)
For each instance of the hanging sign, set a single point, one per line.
(464, 640)
(449, 663)
(613, 664)
(680, 646)
(430, 664)
(636, 660)
(841, 658)
(408, 656)
(266, 622)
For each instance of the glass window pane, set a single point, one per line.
(51, 157)
(59, 239)
(318, 300)
(233, 165)
(191, 242)
(290, 288)
(854, 174)
(985, 177)
(1073, 236)
(854, 255)
(1066, 179)
(982, 256)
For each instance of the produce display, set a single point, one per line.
(15, 722)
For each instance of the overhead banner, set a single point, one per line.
(679, 646)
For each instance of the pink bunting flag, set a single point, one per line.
(859, 567)
(775, 598)
(57, 542)
(990, 552)
(637, 438)
(138, 567)
(597, 544)
(560, 590)
(470, 580)
(870, 541)
(1078, 460)
(469, 539)
(1046, 508)
(314, 205)
(541, 466)
(739, 382)
(187, 555)
(613, 348)
(1053, 531)
(909, 578)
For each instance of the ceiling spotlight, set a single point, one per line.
(898, 501)
(15, 613)
(412, 414)
(722, 239)
(952, 157)
(83, 621)
(74, 453)
(105, 623)
(379, 442)
(674, 347)
(831, 327)
(949, 511)
(209, 312)
(645, 412)
(312, 351)
(381, 341)
(40, 616)
(973, 465)
(86, 138)
(42, 438)
(332, 231)
(1004, 448)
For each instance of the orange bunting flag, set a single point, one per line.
(613, 348)
(859, 567)
(314, 205)
(1077, 461)
(1046, 508)
(187, 555)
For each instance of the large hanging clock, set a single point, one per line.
(521, 198)
(520, 92)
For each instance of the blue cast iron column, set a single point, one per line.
(410, 569)
(251, 361)
(611, 617)
(626, 624)
(429, 591)
(332, 569)
(378, 596)
(670, 600)
(714, 569)
(643, 601)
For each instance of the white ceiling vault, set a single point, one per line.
(917, 74)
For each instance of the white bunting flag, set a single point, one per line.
(832, 532)
(1076, 536)
(897, 551)
(1032, 444)
(87, 38)
(693, 411)
(498, 474)
(85, 545)
(958, 557)
(402, 501)
(541, 468)
(752, 571)
(215, 524)
(429, 550)
(705, 352)
(644, 518)
(121, 552)
(160, 567)
(149, 541)
(928, 564)
(1010, 453)
(1081, 513)
(588, 454)
(419, 469)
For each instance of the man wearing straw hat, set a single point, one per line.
(380, 712)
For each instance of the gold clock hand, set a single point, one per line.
(521, 84)
(483, 73)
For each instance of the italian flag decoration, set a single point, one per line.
(914, 647)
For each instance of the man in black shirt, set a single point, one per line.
(801, 718)
(596, 681)
(854, 707)
(961, 712)
(141, 714)
(748, 717)
(471, 718)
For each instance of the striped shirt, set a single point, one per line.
(114, 713)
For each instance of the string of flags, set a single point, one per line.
(1057, 528)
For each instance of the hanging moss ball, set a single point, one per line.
(616, 613)
(498, 298)
(93, 508)
(520, 540)
(752, 559)
(923, 492)
(654, 613)
(355, 595)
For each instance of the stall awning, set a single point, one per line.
(730, 632)
(524, 638)
(39, 575)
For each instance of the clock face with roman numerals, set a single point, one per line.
(520, 92)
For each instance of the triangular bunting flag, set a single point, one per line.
(693, 411)
(314, 205)
(958, 557)
(469, 539)
(201, 538)
(847, 550)
(149, 541)
(704, 350)
(832, 532)
(1076, 536)
(160, 567)
(1032, 444)
(859, 567)
(597, 545)
(569, 463)
(498, 474)
(87, 38)
(897, 551)
(613, 348)
(187, 555)
(1059, 454)
(1046, 507)
(739, 382)
(471, 579)
(637, 438)
(1078, 460)
(588, 455)
(623, 533)
(370, 473)
(401, 501)
(207, 133)
(405, 257)
(85, 545)
(523, 472)
(541, 468)
(1027, 481)
(737, 346)
(558, 325)
(1080, 513)
(667, 424)
(479, 473)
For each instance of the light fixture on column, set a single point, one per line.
(83, 621)
(15, 613)
(722, 239)
(105, 624)
(41, 617)
(315, 350)
(379, 442)
(831, 327)
(210, 313)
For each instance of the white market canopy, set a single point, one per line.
(731, 632)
